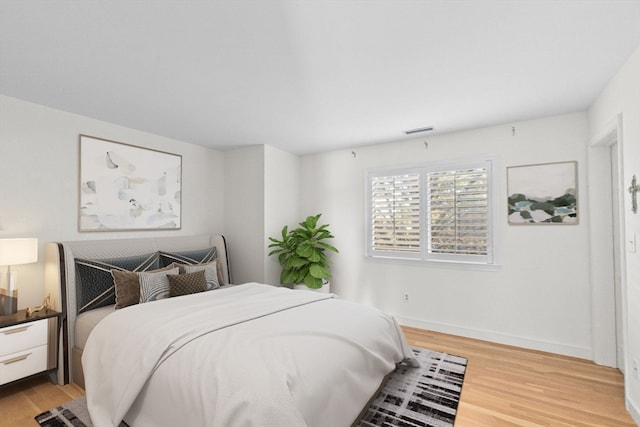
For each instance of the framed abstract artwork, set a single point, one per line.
(543, 194)
(123, 187)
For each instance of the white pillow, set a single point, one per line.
(155, 286)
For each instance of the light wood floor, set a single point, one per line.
(503, 386)
(22, 401)
(510, 386)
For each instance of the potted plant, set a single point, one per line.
(301, 253)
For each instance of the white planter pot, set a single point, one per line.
(326, 287)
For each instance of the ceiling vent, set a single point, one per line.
(418, 130)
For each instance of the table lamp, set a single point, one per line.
(14, 252)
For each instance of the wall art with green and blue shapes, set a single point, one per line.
(543, 193)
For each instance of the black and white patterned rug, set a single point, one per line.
(412, 397)
(71, 414)
(426, 397)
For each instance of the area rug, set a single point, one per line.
(427, 396)
(70, 414)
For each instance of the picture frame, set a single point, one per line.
(545, 193)
(124, 187)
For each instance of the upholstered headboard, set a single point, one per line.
(61, 282)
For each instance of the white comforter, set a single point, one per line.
(248, 355)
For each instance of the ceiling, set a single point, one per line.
(312, 76)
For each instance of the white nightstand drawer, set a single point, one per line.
(22, 364)
(23, 336)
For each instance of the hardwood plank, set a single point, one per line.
(504, 386)
(22, 401)
(511, 386)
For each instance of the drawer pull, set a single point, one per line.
(16, 330)
(16, 359)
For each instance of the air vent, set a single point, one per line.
(418, 130)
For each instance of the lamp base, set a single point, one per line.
(8, 302)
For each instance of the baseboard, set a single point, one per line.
(500, 338)
(634, 410)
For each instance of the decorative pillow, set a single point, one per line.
(220, 277)
(155, 286)
(210, 273)
(95, 287)
(188, 283)
(128, 286)
(200, 256)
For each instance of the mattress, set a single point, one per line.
(86, 321)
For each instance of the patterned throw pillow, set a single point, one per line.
(128, 286)
(188, 283)
(210, 273)
(200, 256)
(155, 286)
(95, 287)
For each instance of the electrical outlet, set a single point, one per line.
(405, 297)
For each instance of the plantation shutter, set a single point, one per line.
(441, 212)
(395, 213)
(458, 212)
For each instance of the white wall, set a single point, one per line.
(539, 298)
(622, 97)
(39, 182)
(261, 196)
(244, 212)
(282, 197)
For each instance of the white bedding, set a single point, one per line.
(249, 355)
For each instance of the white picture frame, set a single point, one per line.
(124, 187)
(545, 193)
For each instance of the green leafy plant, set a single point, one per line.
(301, 253)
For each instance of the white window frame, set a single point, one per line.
(458, 260)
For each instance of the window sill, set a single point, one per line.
(456, 265)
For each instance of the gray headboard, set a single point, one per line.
(60, 280)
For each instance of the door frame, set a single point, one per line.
(601, 247)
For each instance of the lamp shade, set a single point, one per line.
(18, 251)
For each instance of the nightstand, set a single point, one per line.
(28, 345)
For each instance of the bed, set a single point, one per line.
(65, 288)
(234, 355)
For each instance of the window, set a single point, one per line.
(395, 213)
(435, 212)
